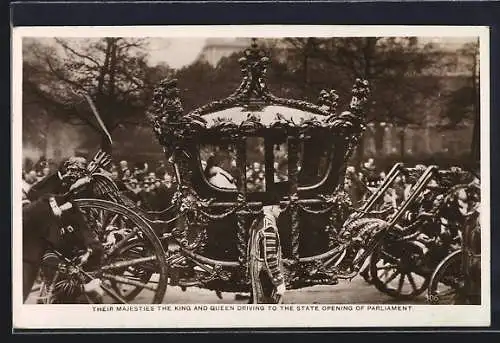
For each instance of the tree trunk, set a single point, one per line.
(112, 68)
(106, 93)
(476, 131)
(379, 136)
(476, 141)
(104, 70)
(368, 54)
(402, 143)
(305, 64)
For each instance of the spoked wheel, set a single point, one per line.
(393, 270)
(365, 274)
(447, 281)
(134, 259)
(45, 294)
(142, 273)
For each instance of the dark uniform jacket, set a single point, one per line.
(52, 184)
(42, 229)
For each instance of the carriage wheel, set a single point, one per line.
(142, 273)
(365, 274)
(134, 260)
(447, 281)
(393, 268)
(44, 294)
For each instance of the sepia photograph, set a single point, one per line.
(321, 172)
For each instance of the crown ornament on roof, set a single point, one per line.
(252, 106)
(254, 66)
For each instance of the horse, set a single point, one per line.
(52, 222)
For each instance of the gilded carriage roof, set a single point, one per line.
(268, 115)
(252, 106)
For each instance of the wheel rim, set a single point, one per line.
(397, 276)
(141, 273)
(447, 281)
(134, 261)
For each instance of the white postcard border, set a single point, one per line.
(86, 316)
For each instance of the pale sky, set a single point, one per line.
(180, 52)
(176, 52)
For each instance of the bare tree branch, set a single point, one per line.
(73, 51)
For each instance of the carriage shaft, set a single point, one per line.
(393, 173)
(129, 263)
(415, 191)
(124, 280)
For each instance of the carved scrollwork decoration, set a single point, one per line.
(341, 209)
(312, 273)
(454, 176)
(242, 236)
(329, 100)
(360, 93)
(251, 125)
(294, 209)
(166, 108)
(254, 67)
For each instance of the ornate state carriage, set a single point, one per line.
(310, 142)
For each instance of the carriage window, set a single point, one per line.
(314, 161)
(256, 173)
(280, 162)
(219, 165)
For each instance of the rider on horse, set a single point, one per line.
(53, 226)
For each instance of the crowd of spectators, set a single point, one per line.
(256, 177)
(36, 171)
(151, 188)
(361, 182)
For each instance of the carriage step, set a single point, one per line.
(309, 282)
(189, 283)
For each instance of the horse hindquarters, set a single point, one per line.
(40, 228)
